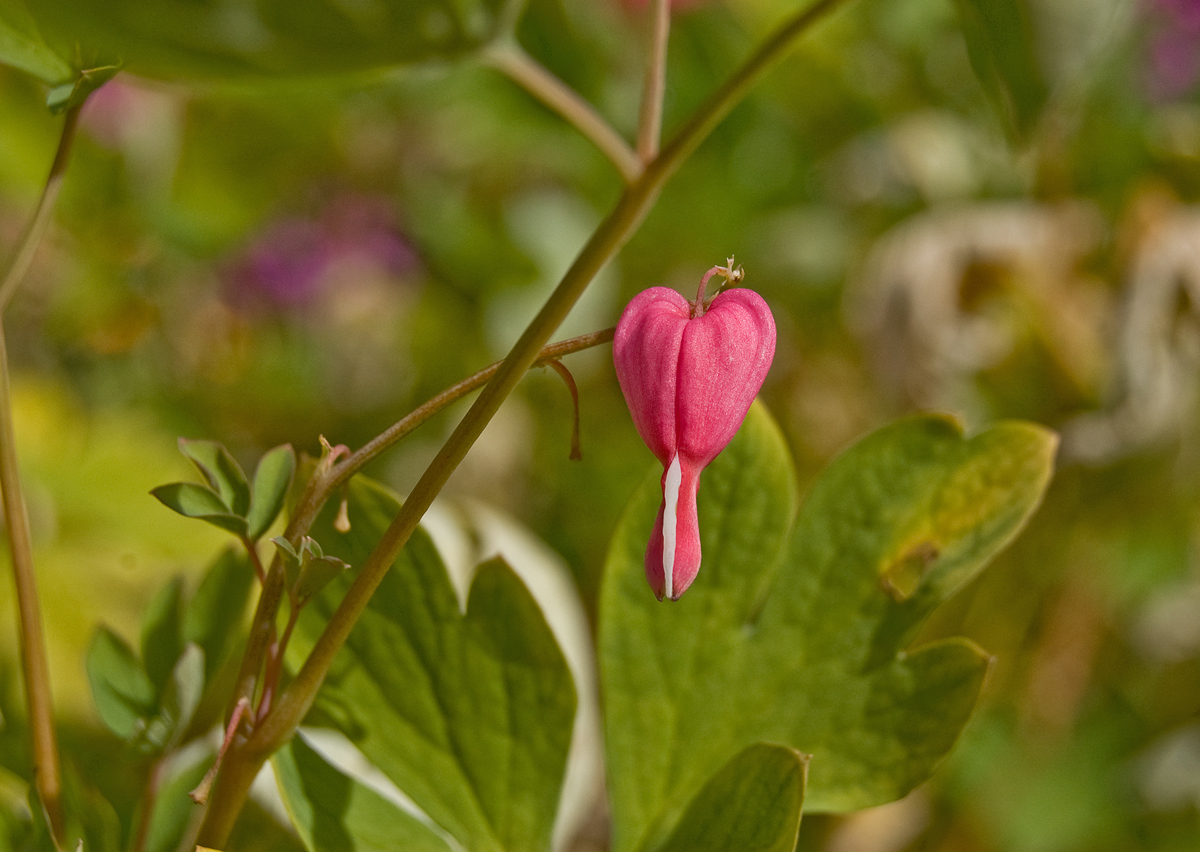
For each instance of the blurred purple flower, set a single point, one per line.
(1174, 61)
(293, 261)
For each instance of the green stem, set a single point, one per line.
(36, 670)
(294, 702)
(654, 91)
(41, 215)
(524, 70)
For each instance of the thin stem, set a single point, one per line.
(46, 774)
(510, 59)
(149, 798)
(569, 381)
(36, 228)
(36, 670)
(654, 90)
(633, 205)
(275, 662)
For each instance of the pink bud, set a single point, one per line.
(689, 373)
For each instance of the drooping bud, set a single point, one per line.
(689, 372)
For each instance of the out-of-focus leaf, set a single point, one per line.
(798, 637)
(272, 478)
(23, 46)
(200, 502)
(123, 693)
(217, 609)
(241, 39)
(469, 714)
(223, 473)
(752, 805)
(1000, 43)
(182, 695)
(173, 808)
(162, 639)
(91, 822)
(334, 813)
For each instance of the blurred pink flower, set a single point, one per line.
(1174, 60)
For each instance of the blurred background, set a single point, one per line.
(261, 265)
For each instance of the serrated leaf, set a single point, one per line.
(123, 693)
(222, 472)
(1000, 44)
(162, 640)
(200, 502)
(218, 609)
(470, 714)
(272, 479)
(794, 636)
(752, 805)
(263, 39)
(23, 46)
(334, 813)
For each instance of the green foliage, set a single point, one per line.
(162, 638)
(241, 40)
(1000, 42)
(752, 804)
(469, 713)
(227, 501)
(23, 46)
(218, 606)
(334, 813)
(272, 479)
(173, 808)
(799, 636)
(123, 693)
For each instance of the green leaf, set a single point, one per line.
(335, 813)
(174, 810)
(217, 610)
(469, 714)
(162, 641)
(222, 472)
(799, 637)
(272, 479)
(183, 693)
(752, 805)
(264, 39)
(199, 501)
(123, 693)
(1000, 44)
(23, 46)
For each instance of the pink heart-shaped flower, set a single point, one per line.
(689, 372)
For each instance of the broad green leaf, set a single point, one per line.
(334, 813)
(272, 478)
(162, 640)
(222, 472)
(23, 46)
(470, 714)
(799, 636)
(752, 805)
(1000, 44)
(217, 610)
(201, 502)
(122, 691)
(247, 39)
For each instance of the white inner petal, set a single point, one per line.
(670, 524)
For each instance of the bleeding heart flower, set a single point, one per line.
(689, 372)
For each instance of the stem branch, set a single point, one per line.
(654, 90)
(511, 60)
